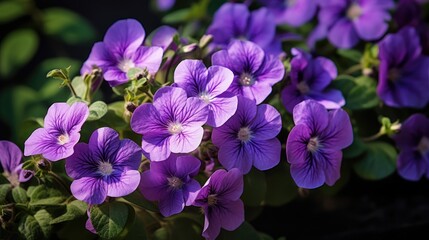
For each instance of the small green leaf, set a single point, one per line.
(19, 195)
(79, 86)
(350, 54)
(50, 201)
(68, 26)
(378, 162)
(97, 110)
(74, 210)
(177, 16)
(137, 198)
(360, 93)
(30, 228)
(11, 10)
(109, 219)
(40, 194)
(245, 231)
(4, 190)
(44, 218)
(354, 150)
(16, 50)
(281, 189)
(255, 188)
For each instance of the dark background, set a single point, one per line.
(391, 208)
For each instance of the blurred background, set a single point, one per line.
(37, 36)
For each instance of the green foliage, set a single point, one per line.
(10, 10)
(97, 110)
(74, 210)
(67, 26)
(359, 93)
(378, 162)
(245, 231)
(16, 50)
(281, 188)
(110, 219)
(19, 195)
(4, 191)
(255, 188)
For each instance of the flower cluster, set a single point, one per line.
(197, 117)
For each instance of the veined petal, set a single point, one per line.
(146, 119)
(193, 114)
(55, 117)
(231, 213)
(190, 191)
(218, 80)
(267, 123)
(222, 108)
(186, 141)
(128, 156)
(235, 154)
(149, 58)
(212, 224)
(82, 163)
(90, 190)
(170, 101)
(123, 183)
(227, 185)
(153, 185)
(124, 36)
(41, 142)
(187, 166)
(411, 165)
(306, 113)
(104, 143)
(308, 174)
(333, 166)
(172, 203)
(265, 153)
(191, 75)
(262, 27)
(339, 133)
(75, 117)
(10, 156)
(157, 145)
(296, 145)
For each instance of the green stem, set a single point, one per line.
(353, 69)
(373, 137)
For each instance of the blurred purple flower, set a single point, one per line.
(344, 22)
(210, 86)
(60, 133)
(220, 200)
(173, 123)
(292, 12)
(403, 71)
(165, 5)
(171, 183)
(314, 145)
(255, 72)
(122, 50)
(413, 144)
(233, 21)
(249, 137)
(107, 166)
(310, 78)
(163, 37)
(10, 160)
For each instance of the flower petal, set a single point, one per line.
(221, 108)
(411, 165)
(231, 213)
(234, 154)
(55, 117)
(149, 58)
(90, 190)
(296, 145)
(124, 36)
(308, 174)
(227, 185)
(192, 76)
(75, 117)
(190, 191)
(153, 185)
(262, 27)
(265, 153)
(312, 114)
(82, 163)
(267, 123)
(333, 166)
(187, 166)
(128, 156)
(104, 143)
(122, 184)
(10, 156)
(169, 101)
(339, 133)
(372, 24)
(193, 114)
(218, 80)
(172, 203)
(343, 34)
(186, 141)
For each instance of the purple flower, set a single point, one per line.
(107, 166)
(122, 50)
(234, 21)
(60, 133)
(314, 145)
(403, 71)
(344, 22)
(163, 37)
(173, 123)
(165, 5)
(171, 183)
(249, 137)
(210, 86)
(10, 160)
(413, 144)
(310, 78)
(220, 200)
(254, 71)
(292, 12)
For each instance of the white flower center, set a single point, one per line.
(175, 128)
(105, 168)
(423, 146)
(244, 134)
(63, 139)
(205, 97)
(175, 182)
(246, 79)
(125, 65)
(303, 87)
(354, 11)
(212, 200)
(313, 145)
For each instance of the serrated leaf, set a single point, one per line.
(19, 195)
(109, 219)
(97, 110)
(255, 188)
(68, 26)
(74, 210)
(378, 162)
(44, 218)
(30, 228)
(16, 50)
(11, 10)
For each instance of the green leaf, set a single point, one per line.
(378, 162)
(44, 218)
(137, 198)
(245, 231)
(360, 93)
(39, 195)
(19, 195)
(79, 86)
(16, 50)
(74, 210)
(281, 189)
(350, 54)
(30, 228)
(109, 219)
(11, 10)
(97, 110)
(356, 149)
(50, 201)
(178, 16)
(4, 190)
(255, 188)
(68, 26)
